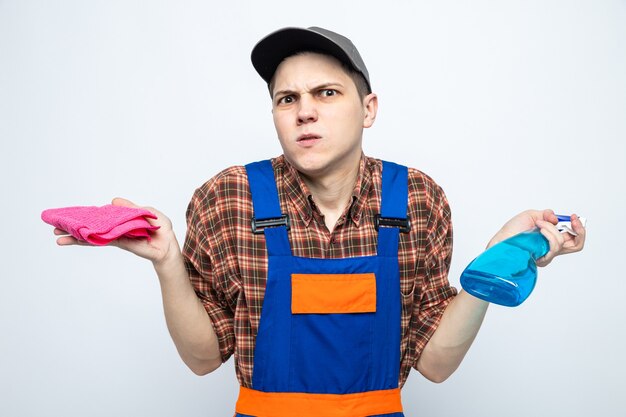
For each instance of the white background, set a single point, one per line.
(507, 104)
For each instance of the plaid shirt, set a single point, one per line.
(227, 263)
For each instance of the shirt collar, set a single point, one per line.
(298, 193)
(361, 190)
(296, 190)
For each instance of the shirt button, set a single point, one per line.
(333, 240)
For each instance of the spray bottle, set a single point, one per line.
(506, 273)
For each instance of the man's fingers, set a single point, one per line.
(551, 233)
(580, 230)
(549, 216)
(555, 239)
(70, 240)
(66, 239)
(574, 243)
(561, 243)
(118, 201)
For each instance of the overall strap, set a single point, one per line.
(267, 218)
(393, 208)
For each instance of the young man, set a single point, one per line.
(324, 271)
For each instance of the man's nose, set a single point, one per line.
(307, 111)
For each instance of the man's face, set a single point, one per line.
(318, 115)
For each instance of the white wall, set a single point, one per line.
(507, 104)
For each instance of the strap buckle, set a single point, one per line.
(403, 224)
(259, 224)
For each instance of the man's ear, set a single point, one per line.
(370, 105)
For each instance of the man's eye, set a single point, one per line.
(327, 92)
(286, 100)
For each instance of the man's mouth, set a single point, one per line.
(308, 137)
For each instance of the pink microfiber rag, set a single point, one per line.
(101, 225)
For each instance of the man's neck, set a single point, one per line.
(333, 192)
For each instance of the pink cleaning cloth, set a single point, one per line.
(101, 225)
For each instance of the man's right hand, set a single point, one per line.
(161, 247)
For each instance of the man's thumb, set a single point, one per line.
(117, 201)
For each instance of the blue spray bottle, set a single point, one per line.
(506, 273)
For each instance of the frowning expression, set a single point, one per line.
(319, 115)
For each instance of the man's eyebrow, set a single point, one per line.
(326, 85)
(283, 93)
(317, 87)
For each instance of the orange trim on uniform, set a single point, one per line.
(333, 293)
(289, 404)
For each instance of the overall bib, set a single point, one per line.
(328, 343)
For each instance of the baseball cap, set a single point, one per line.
(270, 51)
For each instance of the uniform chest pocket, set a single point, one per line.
(333, 293)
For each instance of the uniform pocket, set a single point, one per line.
(333, 293)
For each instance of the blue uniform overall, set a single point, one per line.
(328, 343)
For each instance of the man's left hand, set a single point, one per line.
(545, 220)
